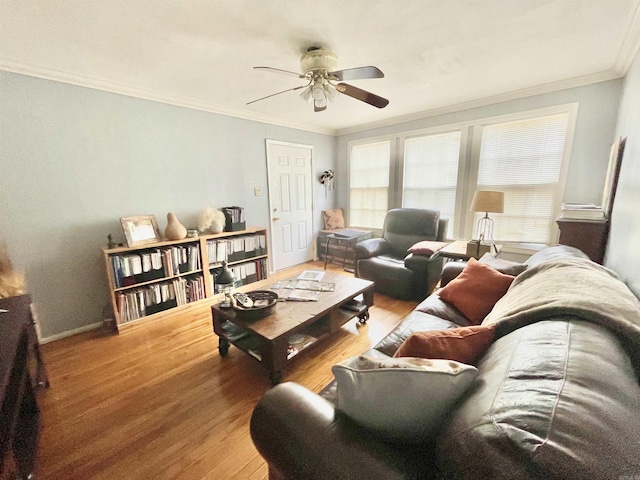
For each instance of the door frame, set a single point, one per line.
(269, 142)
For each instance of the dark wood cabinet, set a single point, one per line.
(20, 419)
(590, 236)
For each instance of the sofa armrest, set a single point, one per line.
(301, 435)
(371, 247)
(450, 271)
(417, 262)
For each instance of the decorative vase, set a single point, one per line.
(175, 230)
(217, 226)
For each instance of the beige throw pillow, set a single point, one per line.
(333, 219)
(401, 399)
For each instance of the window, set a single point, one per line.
(523, 159)
(525, 155)
(369, 167)
(431, 173)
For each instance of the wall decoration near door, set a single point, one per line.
(326, 179)
(613, 173)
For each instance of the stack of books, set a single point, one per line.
(581, 211)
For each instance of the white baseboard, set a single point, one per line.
(69, 333)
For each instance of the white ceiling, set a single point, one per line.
(437, 55)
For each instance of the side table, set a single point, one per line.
(458, 250)
(339, 245)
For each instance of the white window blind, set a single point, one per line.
(431, 173)
(523, 159)
(369, 184)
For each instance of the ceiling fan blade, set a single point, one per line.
(362, 95)
(278, 93)
(357, 73)
(279, 70)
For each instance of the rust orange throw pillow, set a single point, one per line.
(464, 344)
(476, 290)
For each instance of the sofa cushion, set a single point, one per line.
(426, 247)
(558, 398)
(416, 321)
(503, 266)
(367, 392)
(476, 290)
(464, 344)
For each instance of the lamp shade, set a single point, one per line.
(487, 201)
(225, 277)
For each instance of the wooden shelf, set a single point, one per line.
(130, 302)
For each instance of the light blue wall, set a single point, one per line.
(622, 251)
(74, 160)
(594, 133)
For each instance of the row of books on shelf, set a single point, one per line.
(150, 299)
(582, 211)
(132, 268)
(245, 273)
(235, 214)
(236, 248)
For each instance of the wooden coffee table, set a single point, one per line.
(269, 339)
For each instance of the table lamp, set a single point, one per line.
(226, 282)
(487, 201)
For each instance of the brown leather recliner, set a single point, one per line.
(386, 261)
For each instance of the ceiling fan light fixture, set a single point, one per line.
(306, 94)
(330, 92)
(318, 59)
(319, 97)
(318, 65)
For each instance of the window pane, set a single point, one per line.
(431, 173)
(369, 184)
(523, 159)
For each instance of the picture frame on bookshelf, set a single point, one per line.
(140, 230)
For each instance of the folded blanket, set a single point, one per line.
(570, 287)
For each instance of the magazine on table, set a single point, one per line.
(296, 295)
(304, 285)
(313, 275)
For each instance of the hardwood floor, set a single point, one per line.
(158, 401)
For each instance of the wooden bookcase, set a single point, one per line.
(151, 279)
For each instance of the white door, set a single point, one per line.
(290, 203)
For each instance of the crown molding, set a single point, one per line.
(630, 43)
(122, 89)
(482, 102)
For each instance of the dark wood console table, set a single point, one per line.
(20, 416)
(590, 236)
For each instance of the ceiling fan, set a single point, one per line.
(318, 66)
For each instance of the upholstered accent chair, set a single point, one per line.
(387, 262)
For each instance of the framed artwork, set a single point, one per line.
(140, 230)
(613, 173)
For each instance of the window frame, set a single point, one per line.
(469, 162)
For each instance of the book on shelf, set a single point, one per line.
(300, 341)
(581, 211)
